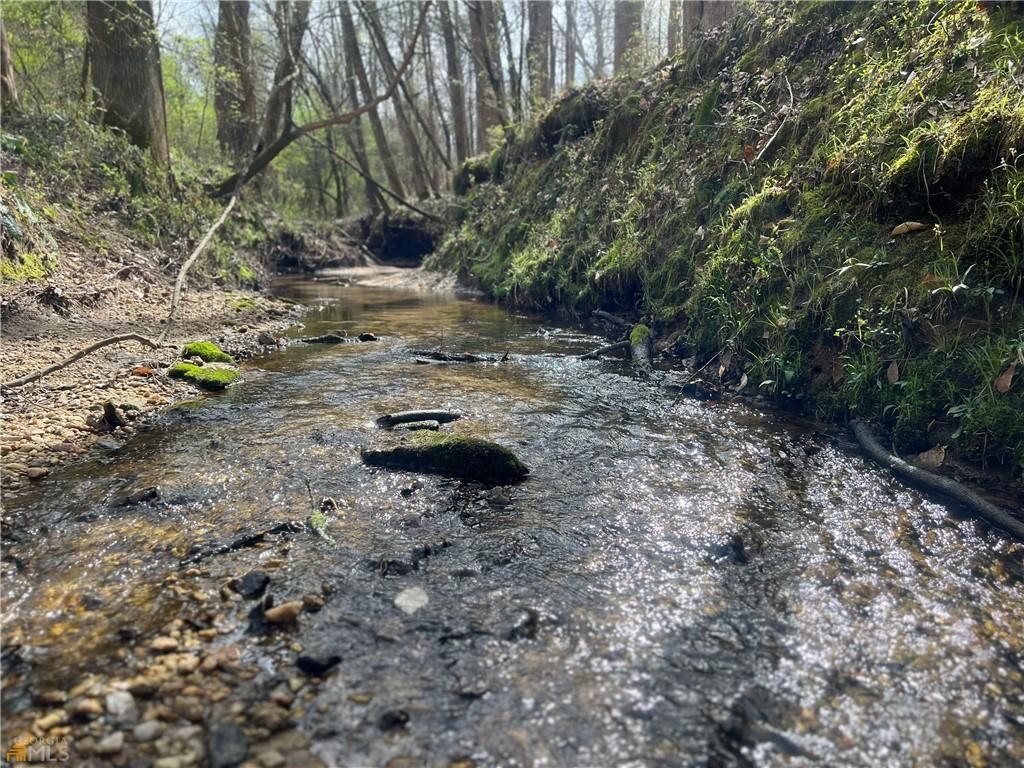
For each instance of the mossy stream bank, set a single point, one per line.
(829, 198)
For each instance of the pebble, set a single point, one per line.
(189, 707)
(271, 759)
(36, 473)
(110, 745)
(286, 613)
(121, 706)
(411, 599)
(272, 717)
(86, 708)
(46, 722)
(148, 730)
(252, 585)
(312, 603)
(164, 644)
(228, 745)
(317, 663)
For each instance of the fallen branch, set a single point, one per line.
(984, 509)
(640, 350)
(618, 346)
(78, 356)
(613, 319)
(179, 283)
(777, 130)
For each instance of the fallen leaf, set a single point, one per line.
(931, 458)
(892, 374)
(908, 226)
(724, 359)
(143, 370)
(1005, 379)
(748, 152)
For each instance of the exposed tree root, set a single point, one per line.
(984, 509)
(618, 346)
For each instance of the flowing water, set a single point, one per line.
(677, 583)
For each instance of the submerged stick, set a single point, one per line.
(984, 509)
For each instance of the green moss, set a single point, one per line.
(206, 351)
(244, 305)
(23, 268)
(178, 370)
(640, 334)
(205, 377)
(470, 458)
(769, 204)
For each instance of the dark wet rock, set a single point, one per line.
(317, 663)
(389, 420)
(393, 719)
(229, 745)
(327, 338)
(138, 496)
(252, 585)
(526, 625)
(468, 458)
(365, 336)
(732, 552)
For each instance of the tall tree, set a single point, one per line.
(628, 15)
(597, 11)
(456, 89)
(705, 14)
(353, 55)
(490, 95)
(126, 76)
(234, 89)
(675, 18)
(570, 43)
(290, 19)
(420, 175)
(538, 48)
(8, 85)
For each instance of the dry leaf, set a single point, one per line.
(908, 226)
(743, 383)
(892, 374)
(725, 358)
(1005, 379)
(143, 370)
(748, 152)
(931, 458)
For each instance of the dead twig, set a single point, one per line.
(618, 346)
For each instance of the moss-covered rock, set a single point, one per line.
(209, 377)
(639, 335)
(469, 458)
(206, 351)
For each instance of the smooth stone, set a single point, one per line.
(411, 600)
(228, 744)
(120, 706)
(110, 745)
(148, 731)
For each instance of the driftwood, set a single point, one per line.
(403, 417)
(609, 317)
(919, 477)
(618, 346)
(78, 356)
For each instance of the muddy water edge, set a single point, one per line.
(677, 583)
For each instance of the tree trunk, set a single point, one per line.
(353, 55)
(628, 15)
(8, 85)
(483, 30)
(515, 75)
(538, 49)
(570, 43)
(234, 98)
(704, 15)
(420, 174)
(456, 89)
(291, 19)
(126, 76)
(675, 17)
(597, 14)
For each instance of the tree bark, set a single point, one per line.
(126, 75)
(8, 85)
(704, 15)
(597, 12)
(483, 32)
(628, 15)
(234, 98)
(675, 18)
(353, 55)
(538, 49)
(456, 89)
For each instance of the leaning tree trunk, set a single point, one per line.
(124, 56)
(538, 49)
(8, 85)
(234, 98)
(456, 89)
(291, 19)
(628, 14)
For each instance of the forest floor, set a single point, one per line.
(92, 297)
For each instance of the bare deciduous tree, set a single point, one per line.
(234, 88)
